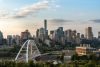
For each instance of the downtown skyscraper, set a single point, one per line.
(42, 33)
(1, 38)
(89, 33)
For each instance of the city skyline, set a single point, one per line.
(43, 30)
(66, 13)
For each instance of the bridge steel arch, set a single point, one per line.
(28, 51)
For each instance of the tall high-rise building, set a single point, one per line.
(89, 33)
(60, 32)
(98, 34)
(41, 34)
(78, 35)
(51, 35)
(74, 32)
(82, 36)
(45, 29)
(69, 35)
(78, 38)
(1, 38)
(9, 40)
(17, 40)
(45, 24)
(25, 36)
(37, 33)
(60, 35)
(13, 39)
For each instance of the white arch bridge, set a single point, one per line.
(28, 51)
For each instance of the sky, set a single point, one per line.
(19, 15)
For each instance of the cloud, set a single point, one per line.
(96, 20)
(29, 10)
(26, 11)
(59, 20)
(3, 14)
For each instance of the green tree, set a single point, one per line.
(90, 64)
(75, 57)
(31, 64)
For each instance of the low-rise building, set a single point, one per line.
(84, 49)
